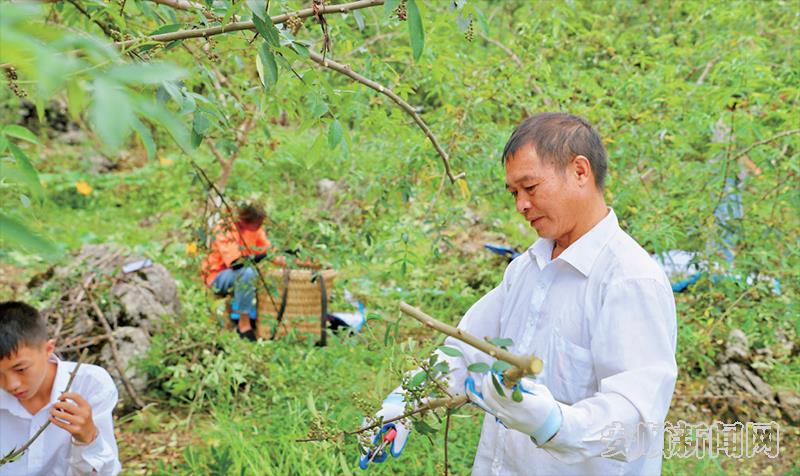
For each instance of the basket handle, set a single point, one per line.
(323, 318)
(284, 299)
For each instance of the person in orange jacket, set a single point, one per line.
(228, 268)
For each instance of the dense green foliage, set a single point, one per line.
(661, 81)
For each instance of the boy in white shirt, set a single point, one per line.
(80, 438)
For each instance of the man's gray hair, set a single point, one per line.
(557, 137)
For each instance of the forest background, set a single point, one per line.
(695, 101)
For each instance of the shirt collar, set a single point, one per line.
(541, 251)
(11, 404)
(581, 254)
(60, 382)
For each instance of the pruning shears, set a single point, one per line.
(388, 437)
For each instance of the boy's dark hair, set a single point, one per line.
(252, 213)
(20, 324)
(557, 137)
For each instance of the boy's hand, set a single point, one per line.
(75, 416)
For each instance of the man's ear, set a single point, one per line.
(582, 170)
(49, 347)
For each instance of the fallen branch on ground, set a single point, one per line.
(114, 351)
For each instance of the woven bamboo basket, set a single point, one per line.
(303, 302)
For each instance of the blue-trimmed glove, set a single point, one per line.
(393, 406)
(537, 415)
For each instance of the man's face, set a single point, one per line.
(23, 372)
(545, 196)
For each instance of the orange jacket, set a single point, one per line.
(227, 247)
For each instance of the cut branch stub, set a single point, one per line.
(522, 365)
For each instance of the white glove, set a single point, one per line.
(537, 414)
(393, 407)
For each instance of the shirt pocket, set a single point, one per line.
(570, 369)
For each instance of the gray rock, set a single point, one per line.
(145, 296)
(141, 298)
(789, 402)
(736, 348)
(132, 343)
(100, 164)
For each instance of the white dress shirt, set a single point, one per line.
(54, 452)
(602, 318)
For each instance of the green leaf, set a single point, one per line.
(146, 73)
(451, 351)
(266, 66)
(516, 395)
(40, 108)
(482, 20)
(19, 132)
(76, 99)
(267, 30)
(479, 367)
(501, 342)
(359, 20)
(300, 49)
(442, 367)
(497, 386)
(27, 171)
(415, 29)
(200, 124)
(424, 428)
(499, 366)
(417, 379)
(3, 143)
(166, 29)
(389, 6)
(147, 138)
(111, 113)
(316, 104)
(14, 232)
(259, 8)
(334, 134)
(158, 114)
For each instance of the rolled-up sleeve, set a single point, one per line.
(633, 349)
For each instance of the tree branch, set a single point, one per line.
(248, 25)
(522, 365)
(16, 453)
(345, 70)
(190, 6)
(450, 403)
(114, 35)
(446, 432)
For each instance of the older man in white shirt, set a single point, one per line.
(589, 301)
